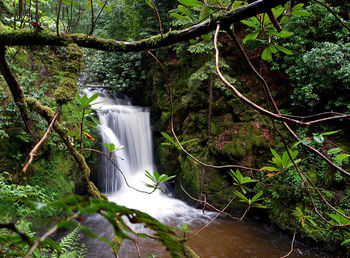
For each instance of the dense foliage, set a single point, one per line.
(306, 64)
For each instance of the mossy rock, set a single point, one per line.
(191, 176)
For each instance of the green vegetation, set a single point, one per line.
(300, 48)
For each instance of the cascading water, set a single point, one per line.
(129, 126)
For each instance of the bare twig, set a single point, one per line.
(158, 17)
(43, 139)
(120, 171)
(211, 221)
(270, 98)
(98, 16)
(302, 174)
(291, 246)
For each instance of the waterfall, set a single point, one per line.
(125, 125)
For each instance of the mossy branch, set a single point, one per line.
(14, 87)
(26, 37)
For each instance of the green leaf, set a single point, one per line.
(284, 20)
(255, 43)
(93, 97)
(250, 36)
(185, 11)
(341, 156)
(267, 54)
(245, 199)
(278, 11)
(190, 2)
(282, 34)
(193, 41)
(272, 169)
(301, 13)
(334, 151)
(273, 49)
(250, 24)
(345, 241)
(256, 197)
(204, 13)
(330, 133)
(274, 153)
(297, 7)
(284, 50)
(168, 137)
(180, 17)
(148, 2)
(319, 139)
(103, 5)
(206, 37)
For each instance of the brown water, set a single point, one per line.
(224, 238)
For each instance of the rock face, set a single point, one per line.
(225, 131)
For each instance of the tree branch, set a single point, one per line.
(26, 37)
(43, 139)
(15, 89)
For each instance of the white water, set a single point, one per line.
(129, 126)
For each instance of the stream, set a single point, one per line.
(125, 125)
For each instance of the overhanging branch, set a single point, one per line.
(27, 37)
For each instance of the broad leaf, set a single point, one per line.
(284, 50)
(190, 2)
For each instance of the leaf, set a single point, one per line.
(267, 54)
(345, 241)
(318, 138)
(270, 169)
(241, 196)
(255, 43)
(270, 175)
(185, 11)
(341, 156)
(301, 13)
(330, 133)
(180, 17)
(148, 2)
(282, 34)
(190, 2)
(273, 49)
(193, 41)
(93, 97)
(103, 5)
(206, 37)
(250, 36)
(204, 13)
(250, 24)
(274, 153)
(88, 136)
(168, 137)
(284, 50)
(334, 151)
(284, 20)
(256, 197)
(297, 7)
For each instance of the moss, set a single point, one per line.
(188, 252)
(191, 176)
(68, 84)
